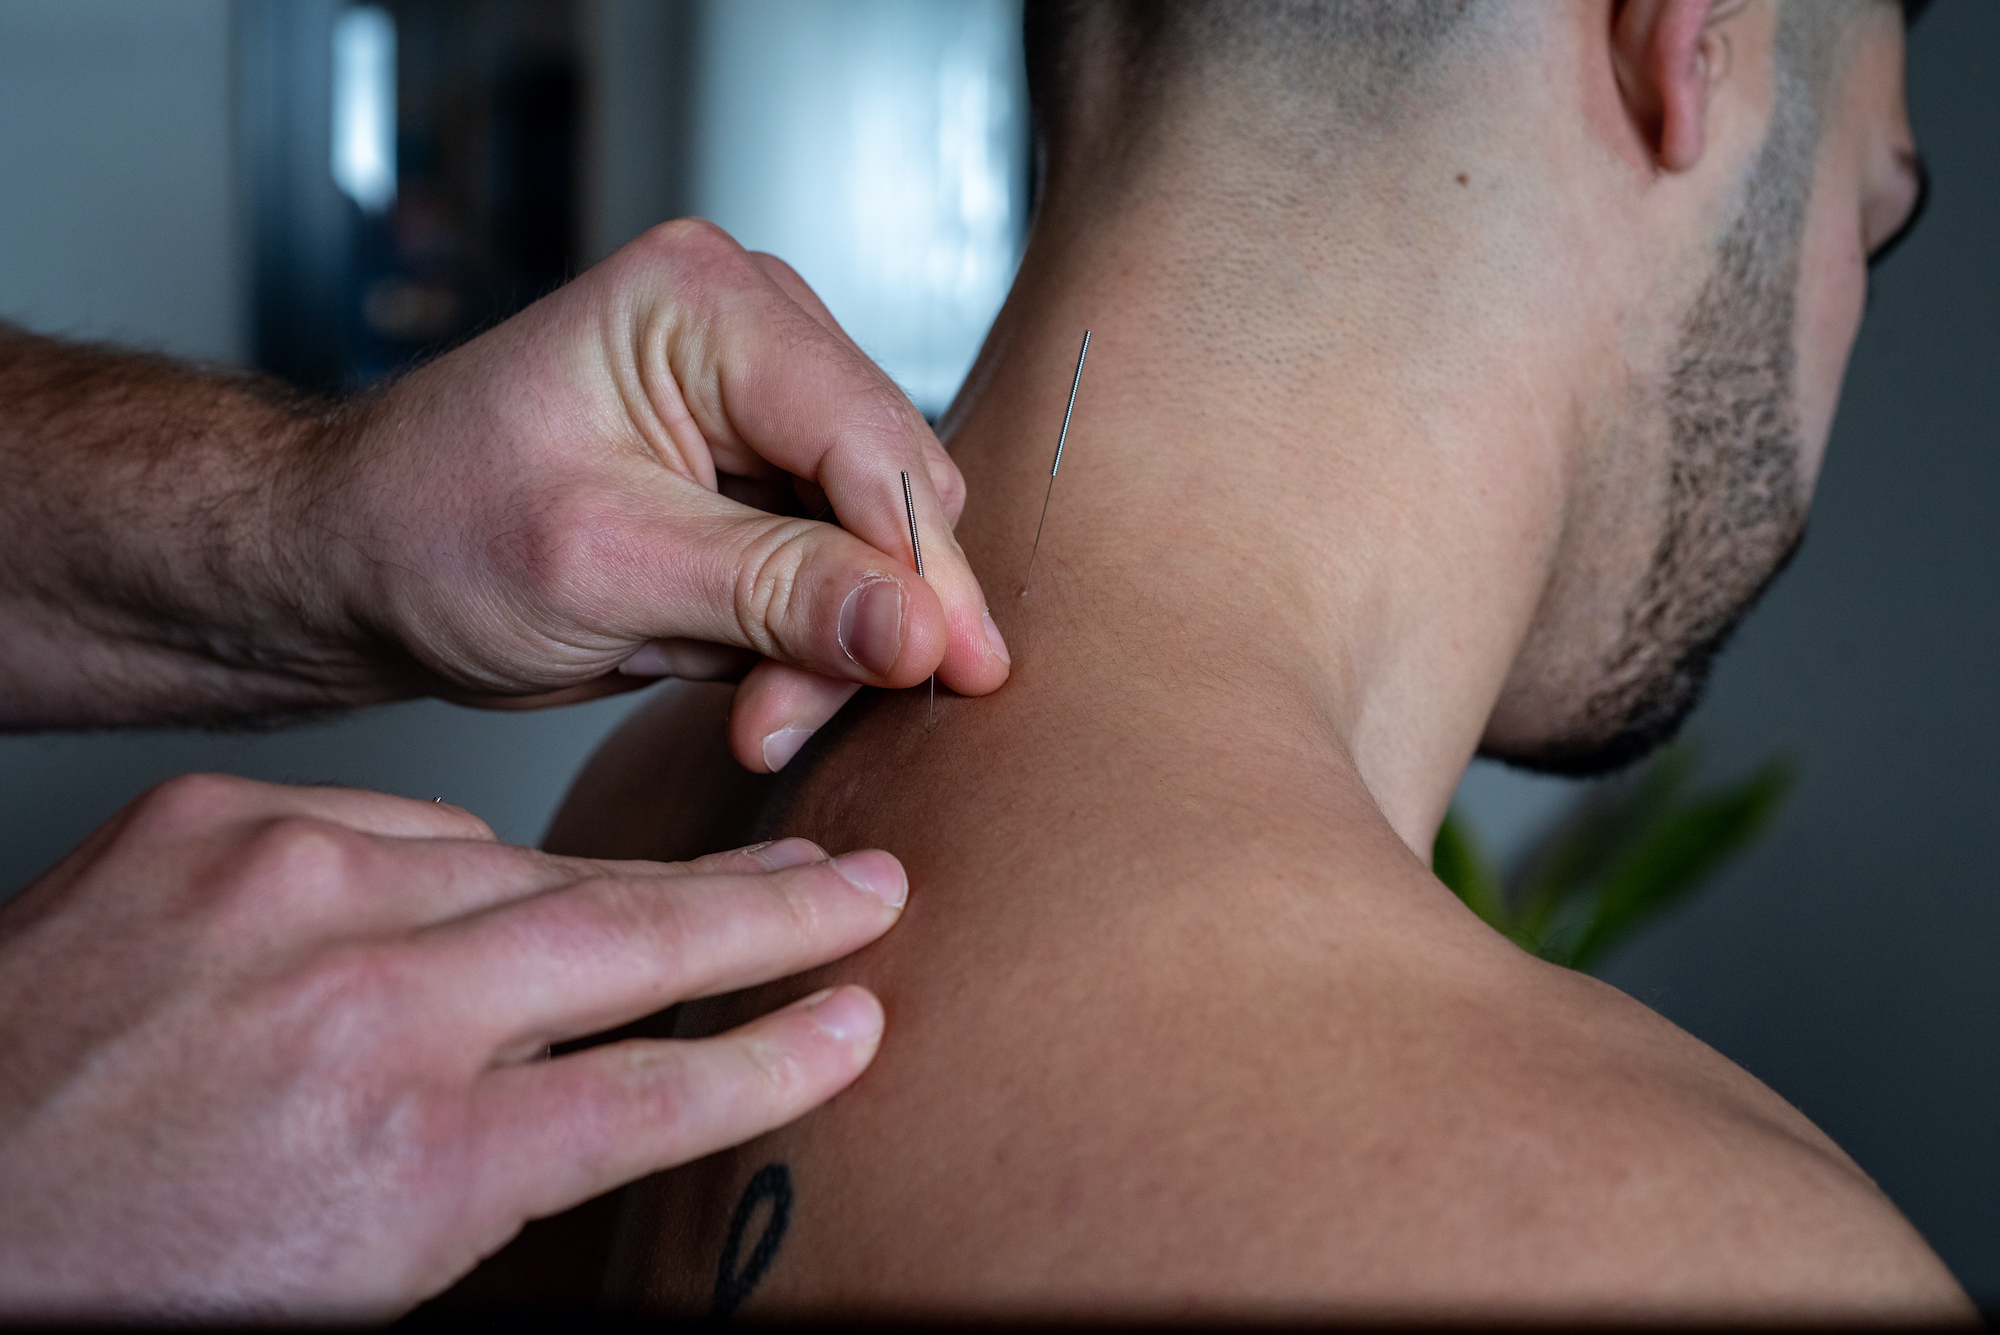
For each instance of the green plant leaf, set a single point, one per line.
(1601, 835)
(1680, 853)
(1459, 863)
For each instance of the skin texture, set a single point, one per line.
(214, 1101)
(230, 1113)
(1369, 460)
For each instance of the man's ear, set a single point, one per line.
(1666, 60)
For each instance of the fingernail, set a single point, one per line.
(999, 645)
(650, 661)
(845, 1014)
(876, 872)
(871, 625)
(777, 854)
(782, 745)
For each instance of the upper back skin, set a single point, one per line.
(1177, 1025)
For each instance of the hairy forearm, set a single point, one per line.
(150, 566)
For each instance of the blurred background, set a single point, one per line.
(332, 191)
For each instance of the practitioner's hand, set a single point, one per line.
(281, 1050)
(547, 512)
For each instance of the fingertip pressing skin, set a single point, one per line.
(777, 710)
(837, 421)
(611, 947)
(591, 1121)
(976, 660)
(996, 641)
(876, 872)
(849, 1015)
(778, 748)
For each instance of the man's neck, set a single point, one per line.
(1286, 481)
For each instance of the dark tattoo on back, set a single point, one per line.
(772, 1182)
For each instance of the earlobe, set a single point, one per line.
(1666, 61)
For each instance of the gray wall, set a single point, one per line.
(638, 111)
(880, 146)
(116, 217)
(119, 220)
(1848, 961)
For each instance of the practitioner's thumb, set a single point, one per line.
(808, 594)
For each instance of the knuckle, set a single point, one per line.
(768, 585)
(687, 236)
(413, 1133)
(622, 1097)
(802, 900)
(667, 932)
(950, 485)
(191, 800)
(649, 1083)
(459, 821)
(296, 858)
(781, 1074)
(626, 918)
(700, 254)
(561, 554)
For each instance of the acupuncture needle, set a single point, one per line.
(910, 509)
(1074, 381)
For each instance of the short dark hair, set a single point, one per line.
(1391, 34)
(1345, 57)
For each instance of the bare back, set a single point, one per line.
(1178, 1025)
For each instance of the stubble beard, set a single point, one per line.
(1736, 499)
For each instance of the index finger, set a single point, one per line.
(758, 371)
(607, 950)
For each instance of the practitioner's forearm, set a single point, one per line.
(149, 564)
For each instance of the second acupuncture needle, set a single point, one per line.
(1075, 380)
(917, 550)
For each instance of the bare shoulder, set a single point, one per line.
(1613, 1158)
(1188, 1040)
(1071, 1125)
(663, 787)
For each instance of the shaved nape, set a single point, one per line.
(1355, 61)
